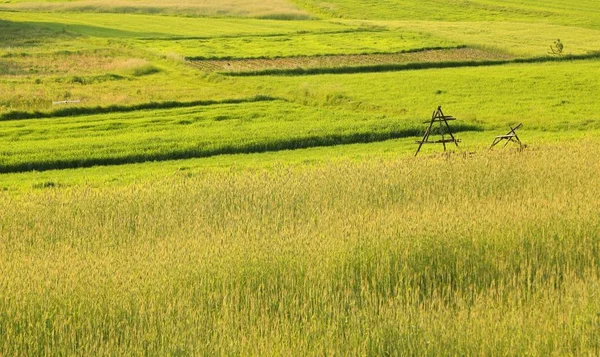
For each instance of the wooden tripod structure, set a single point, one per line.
(510, 136)
(438, 117)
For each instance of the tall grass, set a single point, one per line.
(494, 254)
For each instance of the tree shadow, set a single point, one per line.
(23, 34)
(98, 31)
(33, 34)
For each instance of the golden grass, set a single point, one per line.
(71, 64)
(492, 254)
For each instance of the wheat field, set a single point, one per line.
(486, 254)
(236, 178)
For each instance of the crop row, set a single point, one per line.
(185, 133)
(371, 63)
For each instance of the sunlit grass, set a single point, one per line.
(307, 227)
(351, 41)
(243, 8)
(582, 13)
(490, 254)
(203, 131)
(132, 26)
(521, 39)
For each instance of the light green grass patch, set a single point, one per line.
(309, 44)
(131, 26)
(546, 96)
(472, 143)
(521, 39)
(120, 138)
(581, 13)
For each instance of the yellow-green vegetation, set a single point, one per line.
(580, 13)
(134, 26)
(520, 39)
(492, 254)
(149, 135)
(353, 40)
(188, 178)
(278, 9)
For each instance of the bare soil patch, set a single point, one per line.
(442, 55)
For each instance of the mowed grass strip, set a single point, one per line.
(351, 41)
(493, 254)
(185, 133)
(424, 55)
(132, 26)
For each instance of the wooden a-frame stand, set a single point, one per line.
(438, 117)
(510, 136)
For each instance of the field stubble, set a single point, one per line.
(412, 56)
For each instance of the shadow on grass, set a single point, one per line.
(25, 34)
(98, 31)
(273, 145)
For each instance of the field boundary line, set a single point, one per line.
(365, 53)
(278, 34)
(301, 142)
(405, 66)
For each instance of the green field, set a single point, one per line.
(581, 13)
(200, 178)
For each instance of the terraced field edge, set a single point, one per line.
(405, 66)
(414, 50)
(201, 152)
(77, 111)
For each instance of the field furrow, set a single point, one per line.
(414, 56)
(155, 135)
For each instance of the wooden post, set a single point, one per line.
(438, 116)
(510, 136)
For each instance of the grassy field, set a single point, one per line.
(582, 13)
(43, 144)
(278, 9)
(350, 41)
(190, 178)
(351, 257)
(519, 39)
